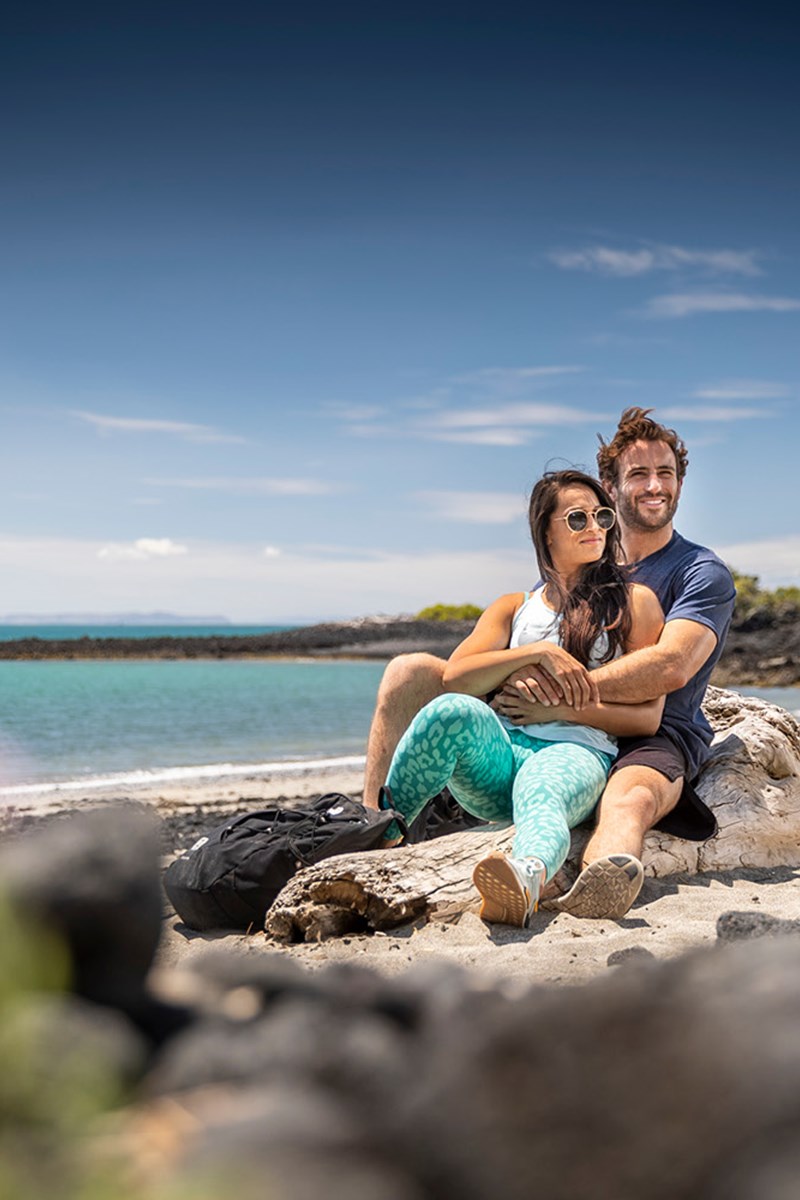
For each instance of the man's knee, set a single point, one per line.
(637, 806)
(416, 675)
(640, 796)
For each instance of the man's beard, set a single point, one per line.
(644, 520)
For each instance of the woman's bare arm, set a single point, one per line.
(484, 660)
(516, 702)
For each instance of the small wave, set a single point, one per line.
(176, 774)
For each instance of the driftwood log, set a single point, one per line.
(752, 782)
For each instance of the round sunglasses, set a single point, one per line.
(578, 518)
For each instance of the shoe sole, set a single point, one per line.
(606, 888)
(505, 900)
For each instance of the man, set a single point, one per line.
(642, 467)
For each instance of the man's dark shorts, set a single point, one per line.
(690, 818)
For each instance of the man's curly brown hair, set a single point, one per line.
(636, 426)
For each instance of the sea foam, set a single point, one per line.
(295, 768)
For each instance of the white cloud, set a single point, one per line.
(743, 389)
(357, 412)
(513, 415)
(776, 561)
(142, 549)
(709, 412)
(271, 552)
(260, 486)
(238, 580)
(734, 262)
(374, 430)
(625, 340)
(191, 433)
(433, 399)
(686, 304)
(604, 260)
(444, 413)
(479, 508)
(483, 437)
(512, 376)
(307, 584)
(607, 260)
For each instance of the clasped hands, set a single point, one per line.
(530, 693)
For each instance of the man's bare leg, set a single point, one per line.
(635, 798)
(409, 682)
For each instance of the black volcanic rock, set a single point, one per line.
(763, 648)
(367, 638)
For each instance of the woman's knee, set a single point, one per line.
(569, 775)
(454, 709)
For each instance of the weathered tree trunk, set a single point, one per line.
(383, 888)
(752, 782)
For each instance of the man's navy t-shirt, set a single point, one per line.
(692, 584)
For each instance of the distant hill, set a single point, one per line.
(128, 618)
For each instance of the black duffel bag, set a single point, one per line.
(230, 877)
(441, 816)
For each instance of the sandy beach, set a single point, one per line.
(266, 1072)
(672, 915)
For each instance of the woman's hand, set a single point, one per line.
(557, 678)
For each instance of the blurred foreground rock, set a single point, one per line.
(677, 1080)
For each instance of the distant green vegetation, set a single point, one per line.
(449, 612)
(750, 598)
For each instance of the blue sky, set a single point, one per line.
(296, 309)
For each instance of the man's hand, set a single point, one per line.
(557, 678)
(520, 710)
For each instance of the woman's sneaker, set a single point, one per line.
(509, 887)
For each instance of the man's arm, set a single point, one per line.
(621, 720)
(697, 617)
(682, 649)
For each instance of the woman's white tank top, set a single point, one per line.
(535, 622)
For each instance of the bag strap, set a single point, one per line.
(309, 827)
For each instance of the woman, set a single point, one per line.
(545, 777)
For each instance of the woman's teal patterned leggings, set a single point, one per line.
(545, 788)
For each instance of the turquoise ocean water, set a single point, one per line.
(68, 720)
(62, 632)
(88, 720)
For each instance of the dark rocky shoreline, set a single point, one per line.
(763, 650)
(370, 637)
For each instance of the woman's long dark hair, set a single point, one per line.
(599, 601)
